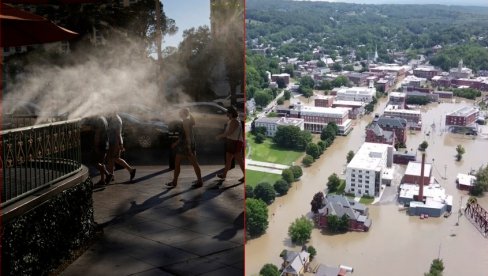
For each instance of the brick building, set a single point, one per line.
(464, 116)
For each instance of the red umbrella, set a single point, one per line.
(51, 2)
(22, 28)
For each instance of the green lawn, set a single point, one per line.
(366, 200)
(269, 152)
(255, 177)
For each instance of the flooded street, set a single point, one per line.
(397, 244)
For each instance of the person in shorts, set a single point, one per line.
(116, 147)
(234, 143)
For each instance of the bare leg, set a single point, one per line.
(176, 172)
(240, 160)
(123, 163)
(228, 163)
(196, 167)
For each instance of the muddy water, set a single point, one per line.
(397, 244)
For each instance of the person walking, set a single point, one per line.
(185, 149)
(234, 143)
(100, 147)
(116, 147)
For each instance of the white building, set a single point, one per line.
(358, 94)
(364, 174)
(316, 118)
(271, 124)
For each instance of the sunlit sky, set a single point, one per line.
(187, 14)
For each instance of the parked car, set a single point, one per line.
(137, 131)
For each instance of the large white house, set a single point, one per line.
(364, 174)
(271, 124)
(358, 94)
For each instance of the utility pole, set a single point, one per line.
(460, 210)
(445, 171)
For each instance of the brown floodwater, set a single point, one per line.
(397, 244)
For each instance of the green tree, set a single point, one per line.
(269, 270)
(287, 94)
(262, 98)
(291, 137)
(249, 191)
(317, 202)
(300, 230)
(311, 250)
(288, 176)
(337, 67)
(481, 183)
(307, 81)
(280, 101)
(259, 138)
(297, 172)
(281, 83)
(333, 183)
(423, 146)
(313, 150)
(265, 192)
(460, 151)
(281, 186)
(350, 156)
(322, 146)
(307, 92)
(340, 81)
(436, 268)
(307, 160)
(256, 217)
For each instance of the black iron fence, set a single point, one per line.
(33, 158)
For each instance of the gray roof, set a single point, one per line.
(324, 270)
(340, 205)
(391, 122)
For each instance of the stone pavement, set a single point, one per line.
(150, 230)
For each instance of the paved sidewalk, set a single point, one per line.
(266, 164)
(150, 230)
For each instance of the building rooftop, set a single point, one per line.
(391, 122)
(359, 91)
(413, 168)
(426, 68)
(349, 103)
(465, 179)
(369, 157)
(397, 109)
(316, 110)
(397, 94)
(464, 111)
(434, 194)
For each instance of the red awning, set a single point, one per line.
(20, 28)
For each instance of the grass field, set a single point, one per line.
(255, 177)
(269, 152)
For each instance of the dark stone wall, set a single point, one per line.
(37, 242)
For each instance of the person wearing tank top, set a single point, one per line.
(234, 137)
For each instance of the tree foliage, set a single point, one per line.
(281, 186)
(291, 137)
(256, 217)
(311, 250)
(300, 230)
(313, 150)
(423, 146)
(265, 192)
(297, 171)
(288, 175)
(436, 268)
(459, 152)
(481, 184)
(269, 270)
(333, 183)
(350, 156)
(317, 202)
(307, 160)
(337, 224)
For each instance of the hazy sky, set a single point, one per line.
(187, 14)
(443, 2)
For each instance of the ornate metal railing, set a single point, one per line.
(36, 157)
